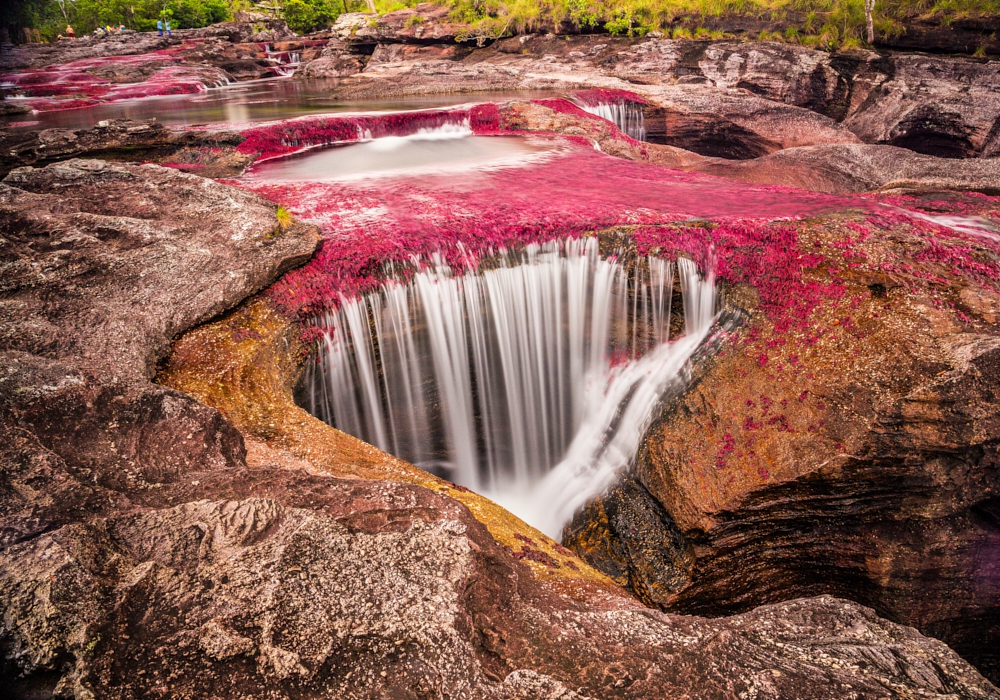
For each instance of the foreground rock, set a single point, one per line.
(182, 249)
(141, 555)
(850, 450)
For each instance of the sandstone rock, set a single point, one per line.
(354, 589)
(141, 555)
(125, 139)
(228, 54)
(830, 84)
(940, 106)
(86, 216)
(124, 44)
(425, 23)
(734, 123)
(836, 168)
(863, 466)
(737, 100)
(335, 61)
(852, 168)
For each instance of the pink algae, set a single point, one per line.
(748, 231)
(79, 84)
(596, 96)
(371, 222)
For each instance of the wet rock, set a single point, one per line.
(853, 168)
(629, 536)
(124, 139)
(864, 465)
(127, 73)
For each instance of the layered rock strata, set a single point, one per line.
(851, 451)
(208, 153)
(748, 97)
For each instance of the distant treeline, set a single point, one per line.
(50, 17)
(822, 23)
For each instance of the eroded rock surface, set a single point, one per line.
(852, 452)
(837, 168)
(128, 256)
(209, 153)
(142, 556)
(731, 99)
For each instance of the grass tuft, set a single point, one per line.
(284, 217)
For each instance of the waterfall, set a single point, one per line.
(627, 116)
(531, 379)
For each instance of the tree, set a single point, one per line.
(869, 8)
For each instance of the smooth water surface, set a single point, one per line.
(252, 101)
(446, 149)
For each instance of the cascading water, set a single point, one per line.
(532, 381)
(627, 116)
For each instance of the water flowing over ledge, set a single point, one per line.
(449, 148)
(531, 380)
(621, 108)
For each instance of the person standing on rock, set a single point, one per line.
(69, 32)
(159, 26)
(168, 28)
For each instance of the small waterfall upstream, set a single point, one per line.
(627, 116)
(531, 380)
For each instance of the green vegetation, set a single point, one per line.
(50, 17)
(821, 23)
(284, 217)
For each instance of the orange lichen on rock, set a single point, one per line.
(246, 364)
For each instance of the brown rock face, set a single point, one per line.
(857, 457)
(68, 226)
(836, 168)
(141, 555)
(725, 99)
(125, 139)
(944, 107)
(424, 24)
(117, 44)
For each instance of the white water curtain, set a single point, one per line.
(532, 381)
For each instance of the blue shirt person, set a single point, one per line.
(159, 26)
